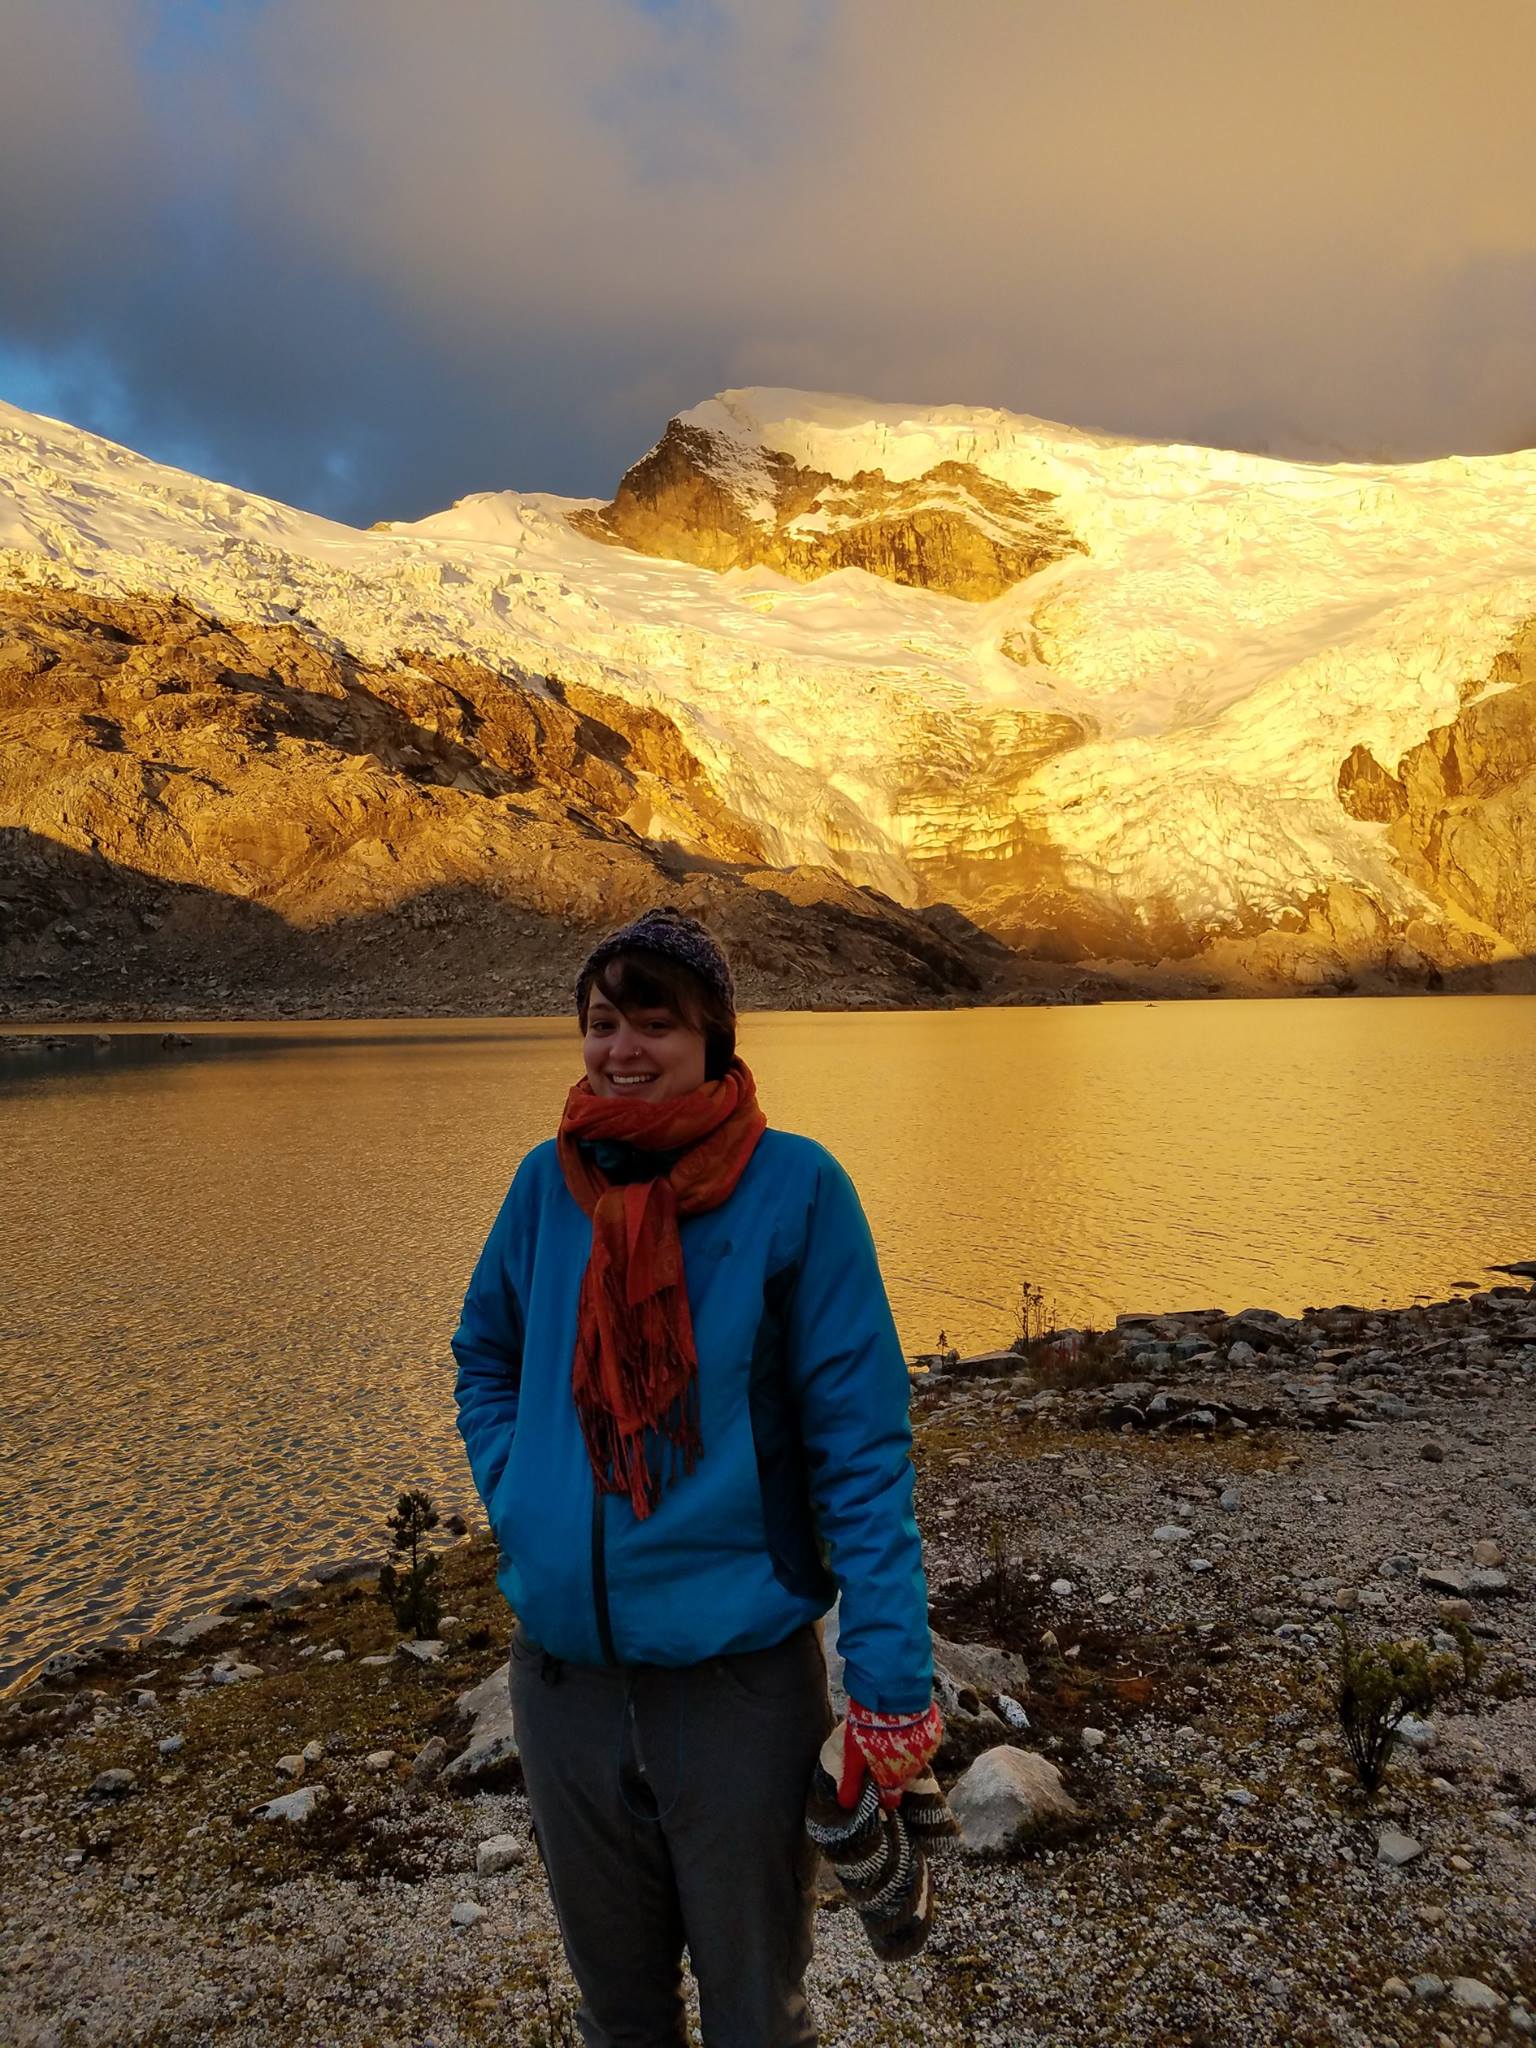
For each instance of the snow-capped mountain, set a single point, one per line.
(1112, 699)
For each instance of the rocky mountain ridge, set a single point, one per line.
(1087, 713)
(952, 529)
(202, 819)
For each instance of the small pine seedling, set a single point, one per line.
(410, 1591)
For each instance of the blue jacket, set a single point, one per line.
(803, 1412)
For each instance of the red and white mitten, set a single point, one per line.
(895, 1749)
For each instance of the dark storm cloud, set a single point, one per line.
(370, 256)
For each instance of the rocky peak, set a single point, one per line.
(705, 497)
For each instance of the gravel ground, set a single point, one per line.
(1225, 1886)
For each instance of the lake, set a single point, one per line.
(231, 1270)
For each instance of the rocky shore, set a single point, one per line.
(282, 1825)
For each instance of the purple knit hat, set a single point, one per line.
(672, 932)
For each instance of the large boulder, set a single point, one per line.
(490, 1755)
(968, 1676)
(1009, 1798)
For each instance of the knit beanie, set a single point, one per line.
(672, 932)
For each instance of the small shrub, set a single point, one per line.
(1471, 1652)
(1002, 1582)
(409, 1590)
(1377, 1684)
(1067, 1360)
(1036, 1316)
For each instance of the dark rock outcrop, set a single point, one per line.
(1467, 832)
(953, 529)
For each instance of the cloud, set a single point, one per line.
(373, 255)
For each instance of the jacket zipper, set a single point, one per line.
(600, 1579)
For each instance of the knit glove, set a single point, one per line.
(894, 1749)
(877, 1849)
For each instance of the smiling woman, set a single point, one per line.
(656, 1023)
(685, 1408)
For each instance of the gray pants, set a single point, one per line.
(669, 1807)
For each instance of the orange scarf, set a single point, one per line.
(635, 1374)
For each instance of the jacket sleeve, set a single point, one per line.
(850, 1378)
(488, 1346)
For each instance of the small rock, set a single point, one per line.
(1346, 1598)
(425, 1650)
(466, 1913)
(1432, 1454)
(1242, 1353)
(1231, 1499)
(312, 1752)
(1006, 1798)
(228, 1672)
(499, 1853)
(1457, 1610)
(1239, 1795)
(1430, 1989)
(1396, 1988)
(290, 1766)
(1172, 1532)
(1416, 1733)
(187, 1632)
(1473, 1992)
(1487, 1552)
(378, 1760)
(378, 1659)
(1476, 1582)
(1012, 1712)
(429, 1759)
(296, 1808)
(1394, 1848)
(169, 1744)
(332, 1656)
(246, 1603)
(1093, 1738)
(1063, 1588)
(113, 1784)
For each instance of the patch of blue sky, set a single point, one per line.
(79, 384)
(181, 29)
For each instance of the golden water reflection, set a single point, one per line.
(230, 1271)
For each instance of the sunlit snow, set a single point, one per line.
(1237, 625)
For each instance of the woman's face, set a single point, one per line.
(649, 1054)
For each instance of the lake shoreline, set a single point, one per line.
(1079, 1372)
(21, 1022)
(1178, 1527)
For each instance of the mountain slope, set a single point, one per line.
(1113, 700)
(206, 817)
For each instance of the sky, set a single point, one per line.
(369, 256)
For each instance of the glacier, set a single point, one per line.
(1153, 724)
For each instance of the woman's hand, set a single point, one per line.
(892, 1749)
